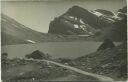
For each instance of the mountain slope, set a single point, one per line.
(16, 33)
(13, 28)
(8, 39)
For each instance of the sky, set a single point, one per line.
(38, 14)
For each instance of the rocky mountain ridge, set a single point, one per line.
(80, 21)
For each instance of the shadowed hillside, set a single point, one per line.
(110, 62)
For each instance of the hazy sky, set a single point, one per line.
(38, 14)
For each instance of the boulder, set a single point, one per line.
(38, 55)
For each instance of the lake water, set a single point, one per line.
(55, 49)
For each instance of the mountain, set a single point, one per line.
(80, 21)
(99, 23)
(105, 12)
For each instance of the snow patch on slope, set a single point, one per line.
(31, 41)
(76, 26)
(97, 13)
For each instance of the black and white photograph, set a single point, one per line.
(63, 40)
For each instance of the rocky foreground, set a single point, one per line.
(109, 62)
(36, 69)
(28, 70)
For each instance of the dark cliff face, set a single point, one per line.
(105, 12)
(77, 21)
(84, 14)
(89, 17)
(118, 30)
(70, 23)
(68, 27)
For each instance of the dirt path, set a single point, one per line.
(99, 77)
